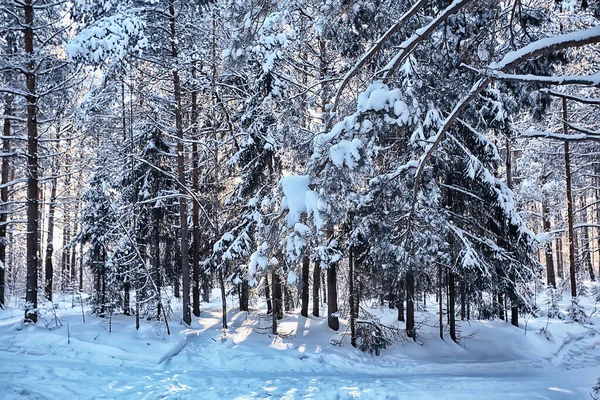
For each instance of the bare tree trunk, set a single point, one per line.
(351, 297)
(156, 260)
(32, 169)
(597, 201)
(572, 270)
(196, 209)
(73, 252)
(440, 301)
(548, 247)
(4, 210)
(65, 260)
(400, 302)
(223, 297)
(316, 287)
(514, 311)
(451, 304)
(410, 306)
(332, 301)
(463, 296)
(183, 212)
(305, 283)
(324, 284)
(277, 295)
(268, 294)
(586, 254)
(50, 245)
(559, 255)
(244, 295)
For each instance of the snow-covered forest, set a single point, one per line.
(300, 198)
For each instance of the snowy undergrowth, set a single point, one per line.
(548, 358)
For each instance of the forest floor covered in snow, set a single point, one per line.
(494, 360)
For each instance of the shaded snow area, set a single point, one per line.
(493, 360)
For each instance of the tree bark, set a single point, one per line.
(332, 301)
(50, 239)
(223, 298)
(585, 241)
(451, 304)
(410, 306)
(316, 287)
(268, 294)
(32, 169)
(277, 295)
(4, 210)
(351, 297)
(548, 247)
(183, 212)
(244, 295)
(196, 209)
(400, 302)
(156, 260)
(559, 256)
(305, 283)
(514, 310)
(572, 270)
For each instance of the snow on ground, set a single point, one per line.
(493, 361)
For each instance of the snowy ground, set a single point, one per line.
(497, 361)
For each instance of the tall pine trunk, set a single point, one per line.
(32, 169)
(244, 295)
(8, 100)
(548, 247)
(316, 288)
(196, 210)
(410, 306)
(451, 304)
(183, 212)
(352, 296)
(305, 284)
(400, 301)
(586, 254)
(570, 230)
(49, 245)
(514, 310)
(332, 300)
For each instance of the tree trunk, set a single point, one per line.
(316, 287)
(156, 260)
(559, 256)
(183, 212)
(277, 295)
(569, 204)
(597, 201)
(400, 302)
(65, 258)
(332, 301)
(244, 295)
(410, 306)
(50, 246)
(223, 297)
(32, 169)
(441, 303)
(351, 297)
(268, 294)
(324, 284)
(305, 279)
(451, 304)
(196, 208)
(514, 310)
(548, 247)
(4, 210)
(463, 296)
(585, 241)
